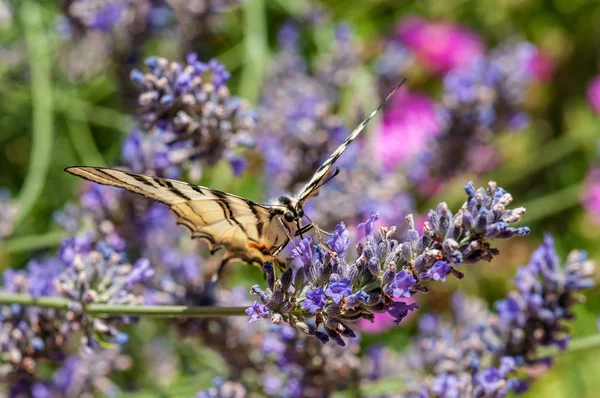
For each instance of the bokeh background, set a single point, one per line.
(66, 98)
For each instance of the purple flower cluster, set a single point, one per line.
(100, 15)
(484, 97)
(85, 272)
(335, 292)
(29, 334)
(533, 316)
(190, 114)
(479, 354)
(99, 273)
(78, 375)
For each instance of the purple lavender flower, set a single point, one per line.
(438, 271)
(302, 253)
(338, 290)
(315, 300)
(257, 311)
(189, 108)
(384, 268)
(400, 286)
(29, 334)
(340, 240)
(87, 374)
(99, 15)
(399, 310)
(493, 382)
(543, 301)
(482, 98)
(105, 18)
(98, 273)
(480, 353)
(150, 153)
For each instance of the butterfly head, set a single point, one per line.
(292, 210)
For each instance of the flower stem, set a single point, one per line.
(153, 311)
(552, 203)
(256, 49)
(32, 242)
(42, 114)
(579, 344)
(81, 136)
(81, 110)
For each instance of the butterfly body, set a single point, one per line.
(249, 231)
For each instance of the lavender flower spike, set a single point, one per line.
(336, 292)
(189, 108)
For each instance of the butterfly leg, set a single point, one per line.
(318, 231)
(287, 232)
(304, 229)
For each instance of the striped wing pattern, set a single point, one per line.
(250, 232)
(312, 187)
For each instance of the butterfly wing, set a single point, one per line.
(248, 231)
(312, 187)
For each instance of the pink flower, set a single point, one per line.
(382, 322)
(541, 66)
(409, 122)
(593, 94)
(590, 196)
(440, 46)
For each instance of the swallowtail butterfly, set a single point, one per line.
(251, 232)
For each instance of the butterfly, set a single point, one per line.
(249, 231)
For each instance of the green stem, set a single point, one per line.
(82, 139)
(153, 311)
(256, 49)
(527, 166)
(32, 242)
(94, 114)
(553, 203)
(42, 114)
(232, 58)
(97, 115)
(579, 344)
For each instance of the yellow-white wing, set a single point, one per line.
(317, 179)
(248, 231)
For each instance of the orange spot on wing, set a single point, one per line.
(257, 246)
